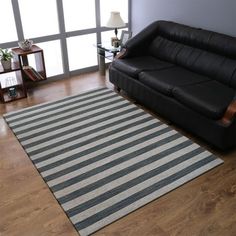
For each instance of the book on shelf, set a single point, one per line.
(32, 73)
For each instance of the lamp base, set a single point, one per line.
(115, 42)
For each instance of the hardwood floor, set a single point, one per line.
(204, 206)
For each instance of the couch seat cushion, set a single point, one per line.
(209, 98)
(165, 80)
(133, 66)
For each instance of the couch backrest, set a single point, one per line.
(206, 52)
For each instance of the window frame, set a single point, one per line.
(63, 35)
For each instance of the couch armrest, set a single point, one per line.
(121, 54)
(230, 113)
(138, 45)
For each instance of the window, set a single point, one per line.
(113, 5)
(52, 57)
(39, 18)
(69, 42)
(79, 14)
(7, 23)
(81, 51)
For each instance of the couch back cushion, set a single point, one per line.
(201, 51)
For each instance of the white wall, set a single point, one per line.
(216, 15)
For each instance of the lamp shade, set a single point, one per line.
(115, 20)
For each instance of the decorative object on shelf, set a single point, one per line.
(115, 21)
(6, 57)
(26, 44)
(125, 36)
(116, 43)
(12, 92)
(114, 40)
(10, 82)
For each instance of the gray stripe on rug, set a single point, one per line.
(79, 122)
(72, 180)
(93, 128)
(51, 119)
(67, 109)
(141, 194)
(74, 140)
(89, 174)
(18, 115)
(116, 175)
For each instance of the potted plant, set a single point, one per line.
(6, 57)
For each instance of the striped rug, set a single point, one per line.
(103, 157)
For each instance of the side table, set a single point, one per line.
(105, 51)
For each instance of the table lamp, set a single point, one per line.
(115, 21)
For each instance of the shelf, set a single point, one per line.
(36, 73)
(14, 67)
(19, 51)
(108, 48)
(12, 79)
(20, 94)
(15, 77)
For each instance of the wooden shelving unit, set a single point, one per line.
(30, 73)
(20, 72)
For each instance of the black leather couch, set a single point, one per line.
(187, 75)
